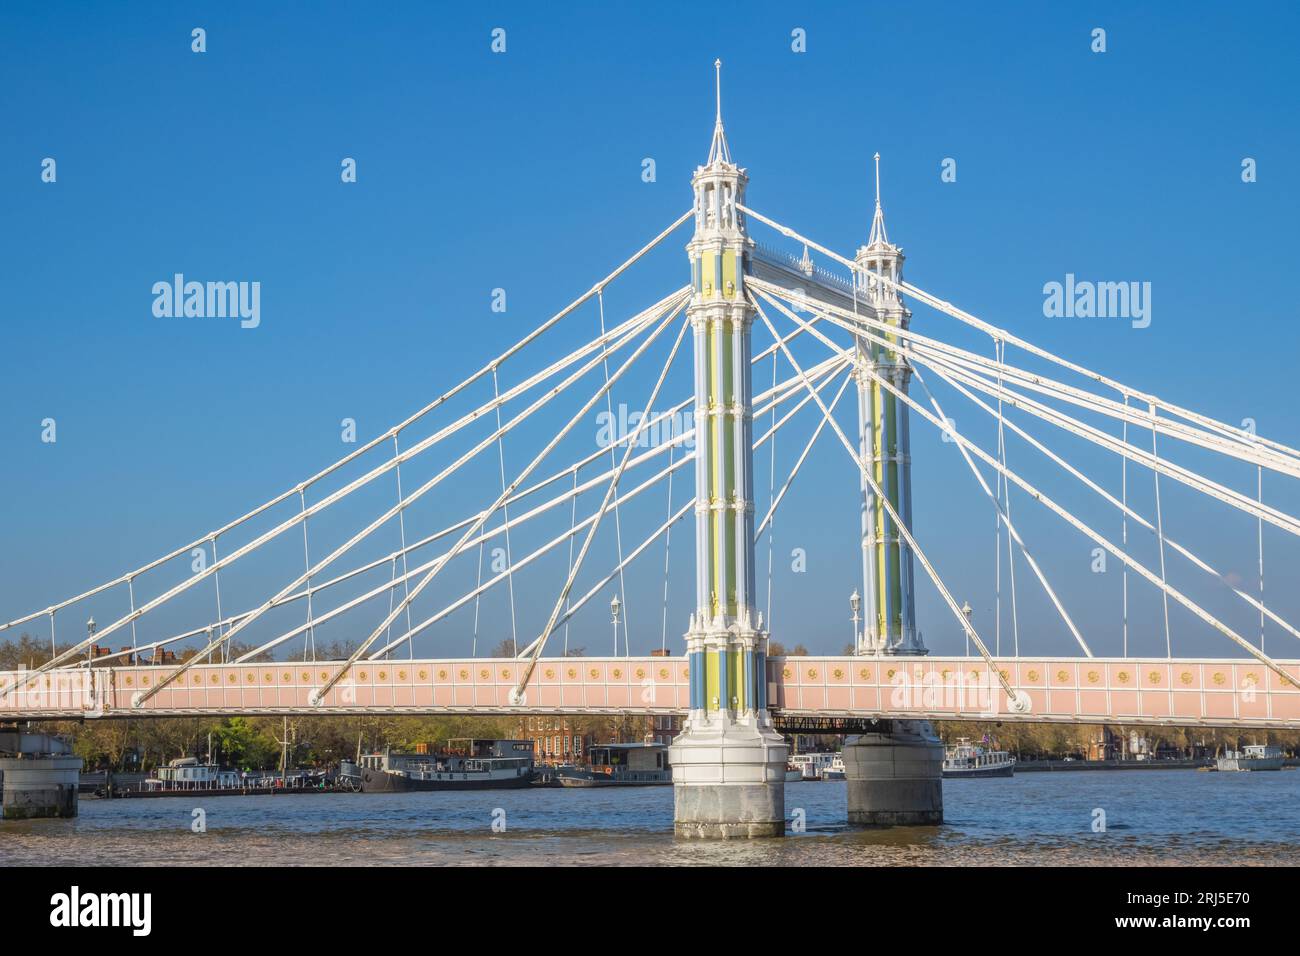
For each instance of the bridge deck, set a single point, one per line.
(1231, 693)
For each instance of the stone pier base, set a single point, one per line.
(728, 780)
(40, 779)
(895, 777)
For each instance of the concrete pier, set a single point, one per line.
(38, 776)
(895, 777)
(728, 781)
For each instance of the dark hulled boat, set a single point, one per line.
(465, 765)
(620, 765)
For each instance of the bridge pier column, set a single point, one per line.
(39, 777)
(728, 780)
(895, 776)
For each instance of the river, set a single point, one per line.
(1151, 818)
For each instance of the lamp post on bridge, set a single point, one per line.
(855, 602)
(615, 606)
(966, 609)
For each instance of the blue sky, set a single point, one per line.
(522, 171)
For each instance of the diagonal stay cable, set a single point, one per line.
(540, 643)
(676, 302)
(375, 442)
(636, 325)
(1018, 702)
(318, 695)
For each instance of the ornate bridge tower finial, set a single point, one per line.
(719, 152)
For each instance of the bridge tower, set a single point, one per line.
(729, 763)
(885, 442)
(894, 776)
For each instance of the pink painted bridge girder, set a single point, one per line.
(1227, 693)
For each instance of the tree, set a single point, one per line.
(244, 745)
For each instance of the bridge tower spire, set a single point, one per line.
(729, 763)
(884, 437)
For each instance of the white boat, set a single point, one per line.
(968, 760)
(835, 769)
(1254, 757)
(814, 766)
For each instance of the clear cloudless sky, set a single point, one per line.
(523, 171)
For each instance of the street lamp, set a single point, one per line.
(615, 606)
(855, 602)
(967, 609)
(90, 632)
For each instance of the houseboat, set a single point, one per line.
(186, 774)
(968, 760)
(620, 765)
(1254, 757)
(466, 764)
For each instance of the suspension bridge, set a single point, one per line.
(388, 582)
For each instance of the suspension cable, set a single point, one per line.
(1017, 701)
(309, 636)
(610, 491)
(777, 498)
(1012, 532)
(763, 401)
(771, 505)
(1160, 537)
(1124, 522)
(1260, 525)
(621, 336)
(618, 524)
(319, 695)
(944, 371)
(668, 539)
(677, 302)
(401, 511)
(573, 608)
(1005, 510)
(946, 307)
(505, 511)
(216, 579)
(1083, 528)
(1122, 505)
(446, 396)
(573, 519)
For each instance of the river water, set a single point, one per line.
(1152, 817)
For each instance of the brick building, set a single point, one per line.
(561, 739)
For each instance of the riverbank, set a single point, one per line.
(1031, 766)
